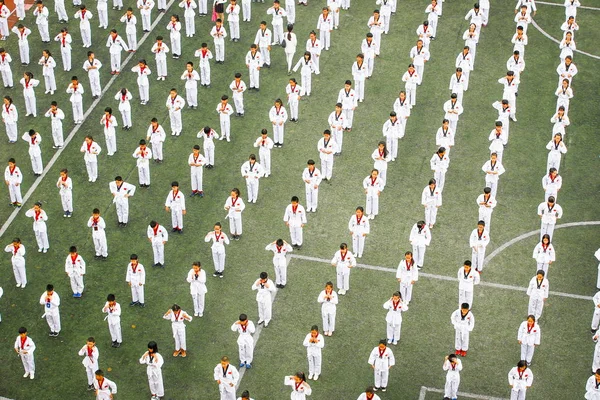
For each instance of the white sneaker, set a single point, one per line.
(316, 377)
(342, 292)
(18, 285)
(26, 375)
(310, 376)
(31, 376)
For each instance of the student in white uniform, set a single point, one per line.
(393, 319)
(312, 179)
(544, 254)
(156, 136)
(238, 87)
(516, 63)
(564, 94)
(300, 388)
(219, 240)
(369, 394)
(233, 17)
(252, 172)
(293, 91)
(520, 378)
(13, 179)
(359, 74)
(313, 46)
(204, 55)
(56, 116)
(189, 14)
(549, 212)
(75, 89)
(191, 78)
(327, 148)
(329, 300)
(102, 8)
(84, 15)
(419, 56)
(453, 109)
(143, 155)
(560, 121)
(445, 136)
(280, 249)
(109, 123)
(23, 39)
(10, 115)
(130, 21)
(369, 49)
(467, 278)
(359, 228)
(504, 113)
(523, 17)
(471, 38)
(234, 205)
(178, 317)
(174, 27)
(278, 14)
(314, 342)
(112, 309)
(424, 32)
(121, 192)
(39, 226)
(245, 329)
(90, 355)
(295, 219)
(307, 65)
(376, 26)
(431, 199)
(439, 164)
(498, 140)
(372, 186)
(158, 237)
(145, 7)
(453, 365)
(529, 338)
(381, 360)
(263, 41)
(265, 144)
(433, 11)
(278, 116)
(537, 291)
(407, 275)
(325, 24)
(196, 277)
(254, 62)
(175, 203)
(160, 50)
(51, 301)
(154, 362)
(419, 238)
(458, 82)
(5, 60)
(411, 79)
(349, 100)
(493, 169)
(486, 203)
(34, 139)
(511, 87)
(225, 110)
(264, 297)
(475, 16)
(196, 162)
(41, 19)
(557, 149)
(219, 34)
(246, 10)
(115, 44)
(381, 158)
(25, 347)
(520, 40)
(104, 387)
(463, 322)
(124, 96)
(227, 378)
(175, 103)
(592, 386)
(75, 269)
(478, 242)
(464, 60)
(142, 71)
(91, 150)
(17, 259)
(136, 279)
(343, 261)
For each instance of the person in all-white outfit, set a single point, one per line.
(393, 318)
(96, 222)
(234, 205)
(419, 56)
(174, 27)
(300, 388)
(307, 66)
(154, 362)
(278, 116)
(48, 64)
(265, 144)
(411, 79)
(204, 56)
(196, 277)
(75, 269)
(431, 199)
(520, 378)
(478, 241)
(112, 309)
(238, 87)
(13, 177)
(84, 15)
(537, 291)
(34, 139)
(189, 15)
(160, 50)
(158, 237)
(493, 169)
(17, 259)
(278, 14)
(115, 44)
(245, 328)
(549, 212)
(51, 302)
(10, 115)
(109, 123)
(9, 111)
(529, 338)
(312, 179)
(124, 97)
(22, 33)
(419, 238)
(91, 150)
(439, 164)
(359, 228)
(225, 111)
(233, 17)
(291, 43)
(142, 70)
(372, 186)
(329, 300)
(265, 290)
(313, 46)
(175, 204)
(343, 261)
(592, 386)
(227, 377)
(75, 89)
(314, 342)
(381, 157)
(453, 365)
(104, 388)
(486, 203)
(453, 109)
(347, 96)
(467, 278)
(25, 347)
(544, 254)
(56, 116)
(295, 219)
(143, 155)
(381, 360)
(41, 13)
(557, 149)
(197, 163)
(219, 240)
(136, 279)
(178, 317)
(280, 249)
(121, 192)
(130, 22)
(369, 393)
(219, 34)
(191, 78)
(90, 355)
(293, 91)
(463, 322)
(327, 148)
(156, 136)
(39, 226)
(252, 171)
(407, 275)
(145, 7)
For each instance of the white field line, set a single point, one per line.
(562, 5)
(543, 32)
(444, 278)
(532, 233)
(76, 128)
(425, 389)
(256, 336)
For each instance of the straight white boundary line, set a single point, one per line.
(543, 32)
(76, 128)
(532, 233)
(425, 389)
(444, 278)
(562, 5)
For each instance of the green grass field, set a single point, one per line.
(561, 364)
